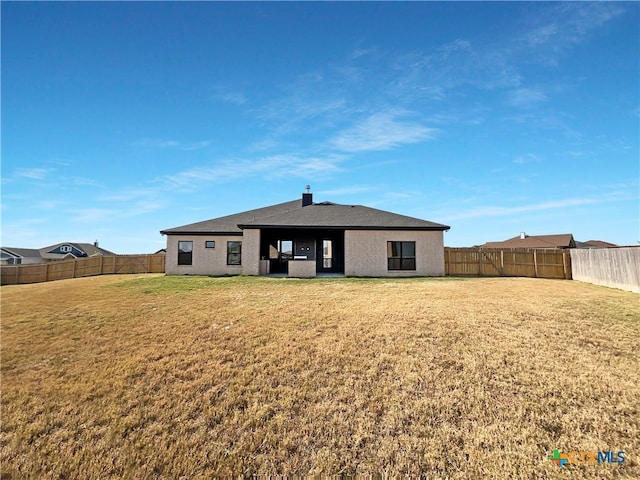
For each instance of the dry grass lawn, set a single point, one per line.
(192, 377)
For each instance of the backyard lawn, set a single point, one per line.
(147, 376)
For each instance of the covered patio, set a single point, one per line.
(301, 252)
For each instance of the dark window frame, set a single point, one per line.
(185, 257)
(209, 244)
(401, 255)
(234, 258)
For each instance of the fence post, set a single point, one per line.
(535, 263)
(73, 270)
(446, 262)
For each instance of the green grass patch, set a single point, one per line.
(163, 284)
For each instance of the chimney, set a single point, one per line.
(307, 198)
(523, 235)
(95, 244)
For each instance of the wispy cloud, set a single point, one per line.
(267, 167)
(159, 143)
(129, 194)
(50, 204)
(236, 98)
(546, 121)
(370, 79)
(554, 30)
(381, 131)
(349, 190)
(526, 158)
(33, 173)
(117, 212)
(495, 211)
(308, 104)
(526, 97)
(91, 215)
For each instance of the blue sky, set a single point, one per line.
(122, 119)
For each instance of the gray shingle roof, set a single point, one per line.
(353, 217)
(88, 248)
(317, 215)
(229, 224)
(23, 252)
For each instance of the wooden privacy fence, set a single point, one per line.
(81, 267)
(505, 262)
(617, 267)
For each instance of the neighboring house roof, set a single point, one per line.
(77, 250)
(57, 252)
(317, 215)
(564, 240)
(595, 244)
(21, 252)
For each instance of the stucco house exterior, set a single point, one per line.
(305, 239)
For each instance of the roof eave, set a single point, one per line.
(200, 233)
(343, 227)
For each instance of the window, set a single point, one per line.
(65, 248)
(185, 253)
(234, 253)
(285, 247)
(209, 244)
(401, 255)
(327, 253)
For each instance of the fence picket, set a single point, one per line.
(81, 267)
(516, 262)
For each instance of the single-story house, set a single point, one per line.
(563, 240)
(595, 244)
(19, 256)
(303, 239)
(66, 250)
(59, 251)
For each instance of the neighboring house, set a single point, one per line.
(303, 239)
(19, 256)
(595, 244)
(59, 251)
(66, 250)
(564, 240)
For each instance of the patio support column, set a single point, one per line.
(251, 251)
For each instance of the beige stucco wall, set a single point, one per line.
(302, 268)
(251, 252)
(206, 261)
(365, 253)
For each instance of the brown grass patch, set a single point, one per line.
(189, 377)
